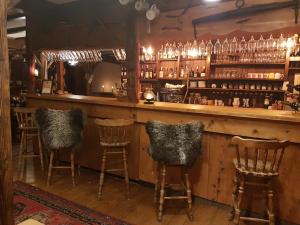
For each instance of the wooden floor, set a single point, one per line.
(138, 210)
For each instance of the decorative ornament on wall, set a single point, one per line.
(152, 11)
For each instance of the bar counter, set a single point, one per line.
(213, 173)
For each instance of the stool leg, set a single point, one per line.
(41, 152)
(157, 182)
(50, 167)
(21, 151)
(270, 204)
(72, 167)
(126, 171)
(239, 201)
(162, 192)
(102, 173)
(234, 195)
(189, 195)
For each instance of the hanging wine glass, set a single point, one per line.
(233, 47)
(209, 47)
(202, 48)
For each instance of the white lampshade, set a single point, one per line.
(124, 2)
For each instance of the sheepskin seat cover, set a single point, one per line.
(59, 128)
(175, 144)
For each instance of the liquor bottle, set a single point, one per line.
(266, 101)
(161, 73)
(191, 72)
(142, 75)
(170, 73)
(150, 73)
(182, 72)
(203, 71)
(175, 74)
(147, 72)
(197, 74)
(154, 72)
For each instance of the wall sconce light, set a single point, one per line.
(36, 72)
(149, 96)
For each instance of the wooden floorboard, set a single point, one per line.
(138, 210)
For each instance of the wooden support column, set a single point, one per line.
(132, 56)
(6, 192)
(60, 75)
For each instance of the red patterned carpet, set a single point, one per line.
(32, 202)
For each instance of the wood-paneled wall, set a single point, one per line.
(275, 22)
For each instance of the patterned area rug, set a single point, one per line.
(49, 209)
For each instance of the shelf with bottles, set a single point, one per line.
(237, 90)
(248, 64)
(148, 72)
(248, 73)
(245, 79)
(237, 99)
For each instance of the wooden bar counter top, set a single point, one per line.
(213, 173)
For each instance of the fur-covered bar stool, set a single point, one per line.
(174, 145)
(60, 130)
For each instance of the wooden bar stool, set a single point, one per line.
(257, 163)
(29, 130)
(61, 130)
(174, 145)
(114, 133)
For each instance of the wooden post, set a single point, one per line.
(132, 56)
(6, 185)
(60, 75)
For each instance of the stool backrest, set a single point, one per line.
(25, 117)
(260, 156)
(114, 131)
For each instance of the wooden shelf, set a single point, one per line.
(243, 90)
(167, 60)
(148, 62)
(194, 59)
(198, 78)
(247, 64)
(247, 79)
(181, 79)
(294, 68)
(148, 80)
